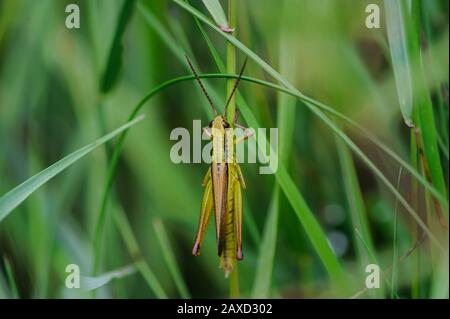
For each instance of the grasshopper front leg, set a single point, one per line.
(207, 132)
(248, 133)
(205, 213)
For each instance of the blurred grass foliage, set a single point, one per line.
(309, 231)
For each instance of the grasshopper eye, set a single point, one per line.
(210, 124)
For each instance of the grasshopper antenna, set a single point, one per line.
(201, 84)
(235, 87)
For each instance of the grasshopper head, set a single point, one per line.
(219, 122)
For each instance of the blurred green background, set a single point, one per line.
(51, 104)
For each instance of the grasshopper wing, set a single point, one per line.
(205, 213)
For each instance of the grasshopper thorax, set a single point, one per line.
(223, 140)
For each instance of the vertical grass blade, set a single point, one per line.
(354, 197)
(113, 66)
(169, 258)
(394, 278)
(398, 46)
(231, 63)
(266, 257)
(135, 252)
(285, 124)
(364, 248)
(11, 280)
(415, 271)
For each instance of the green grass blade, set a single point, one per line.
(443, 147)
(355, 202)
(311, 226)
(128, 237)
(382, 178)
(13, 198)
(234, 284)
(423, 114)
(285, 123)
(92, 283)
(306, 217)
(403, 22)
(398, 46)
(162, 31)
(169, 258)
(11, 281)
(231, 64)
(440, 286)
(250, 223)
(373, 257)
(364, 248)
(264, 266)
(415, 276)
(394, 278)
(113, 66)
(366, 245)
(212, 49)
(216, 11)
(179, 53)
(4, 289)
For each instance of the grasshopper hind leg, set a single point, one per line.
(238, 219)
(205, 213)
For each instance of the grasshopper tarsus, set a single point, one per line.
(239, 255)
(196, 249)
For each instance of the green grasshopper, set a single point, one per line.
(223, 185)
